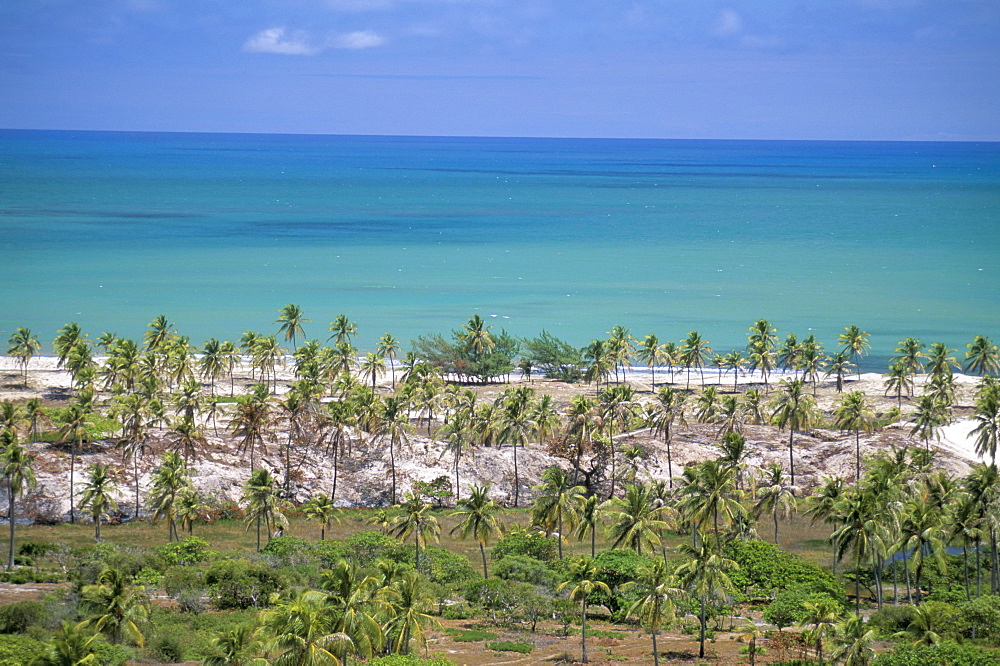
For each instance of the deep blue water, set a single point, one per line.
(413, 235)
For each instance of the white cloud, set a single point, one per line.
(360, 39)
(274, 40)
(728, 23)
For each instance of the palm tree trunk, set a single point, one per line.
(701, 643)
(791, 453)
(482, 554)
(10, 519)
(517, 481)
(656, 652)
(583, 633)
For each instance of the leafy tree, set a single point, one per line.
(655, 608)
(261, 497)
(418, 521)
(321, 509)
(555, 358)
(584, 582)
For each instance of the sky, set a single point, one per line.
(753, 69)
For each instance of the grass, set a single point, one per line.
(510, 646)
(470, 635)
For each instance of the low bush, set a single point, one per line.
(522, 542)
(470, 635)
(510, 646)
(189, 551)
(526, 569)
(240, 584)
(15, 618)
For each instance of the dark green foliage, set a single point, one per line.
(189, 551)
(788, 607)
(445, 567)
(240, 584)
(508, 602)
(15, 618)
(526, 569)
(286, 546)
(19, 649)
(177, 636)
(410, 660)
(458, 358)
(470, 635)
(946, 653)
(554, 358)
(364, 549)
(891, 619)
(511, 646)
(984, 614)
(531, 544)
(36, 548)
(619, 565)
(765, 569)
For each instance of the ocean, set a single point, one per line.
(412, 235)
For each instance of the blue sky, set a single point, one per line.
(797, 69)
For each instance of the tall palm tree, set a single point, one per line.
(169, 479)
(601, 362)
(854, 639)
(372, 365)
(213, 363)
(405, 612)
(909, 352)
(761, 348)
(924, 535)
(158, 332)
(855, 343)
(706, 576)
(517, 426)
(669, 408)
(262, 500)
(190, 509)
(351, 597)
(75, 429)
(343, 330)
(67, 338)
(854, 412)
(899, 380)
(18, 474)
(583, 579)
(35, 415)
(23, 346)
(589, 519)
(824, 505)
(710, 496)
(928, 420)
(291, 319)
(840, 365)
(476, 335)
(736, 362)
(116, 607)
(656, 606)
(617, 406)
(940, 359)
(252, 420)
(418, 521)
(554, 508)
(652, 353)
(983, 356)
(794, 410)
(393, 425)
(321, 509)
(637, 520)
(822, 617)
(479, 519)
(774, 497)
(694, 351)
(622, 345)
(99, 495)
(388, 347)
(987, 419)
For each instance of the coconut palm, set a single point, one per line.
(343, 330)
(928, 420)
(583, 579)
(351, 597)
(854, 412)
(393, 425)
(793, 410)
(372, 365)
(18, 474)
(621, 345)
(736, 362)
(821, 617)
(262, 502)
(554, 508)
(711, 496)
(418, 521)
(924, 535)
(116, 607)
(909, 353)
(706, 576)
(67, 338)
(601, 362)
(854, 640)
(321, 509)
(476, 335)
(840, 365)
(636, 519)
(72, 645)
(855, 343)
(899, 380)
(35, 414)
(23, 346)
(516, 425)
(75, 429)
(987, 419)
(237, 647)
(252, 421)
(589, 516)
(694, 351)
(761, 347)
(213, 363)
(291, 319)
(302, 633)
(479, 519)
(824, 505)
(388, 347)
(169, 479)
(99, 496)
(787, 356)
(158, 332)
(405, 611)
(774, 497)
(655, 608)
(982, 357)
(617, 406)
(583, 425)
(652, 353)
(190, 508)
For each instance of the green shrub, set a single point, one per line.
(240, 584)
(368, 547)
(511, 646)
(947, 652)
(36, 548)
(891, 619)
(765, 569)
(445, 567)
(410, 660)
(189, 551)
(470, 635)
(788, 607)
(520, 542)
(286, 546)
(15, 618)
(526, 569)
(16, 649)
(983, 613)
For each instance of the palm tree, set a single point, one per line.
(840, 365)
(237, 647)
(291, 319)
(213, 363)
(987, 419)
(669, 407)
(709, 495)
(651, 353)
(909, 352)
(621, 345)
(36, 415)
(74, 429)
(170, 478)
(372, 365)
(822, 616)
(853, 412)
(476, 335)
(343, 330)
(637, 520)
(928, 420)
(589, 516)
(72, 645)
(393, 425)
(18, 476)
(388, 347)
(793, 410)
(67, 338)
(190, 509)
(405, 605)
(617, 406)
(350, 597)
(158, 332)
(556, 503)
(99, 495)
(418, 521)
(923, 535)
(694, 352)
(583, 577)
(932, 623)
(855, 343)
(706, 575)
(656, 606)
(761, 347)
(252, 420)
(117, 608)
(940, 359)
(23, 346)
(189, 438)
(787, 356)
(824, 505)
(898, 379)
(516, 425)
(774, 497)
(321, 509)
(262, 502)
(854, 639)
(734, 361)
(601, 362)
(302, 631)
(983, 356)
(479, 519)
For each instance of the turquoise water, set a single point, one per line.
(413, 235)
